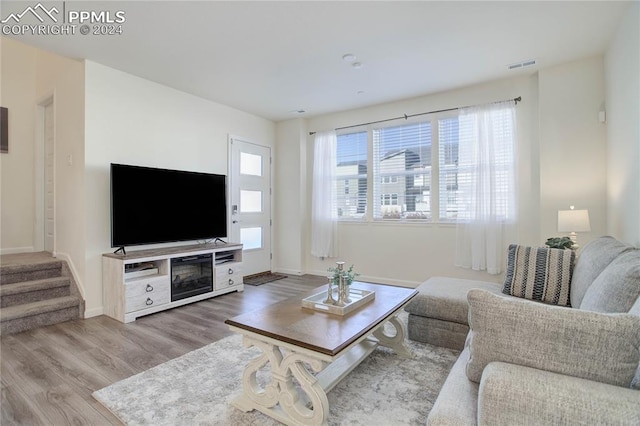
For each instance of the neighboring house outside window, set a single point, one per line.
(402, 160)
(351, 175)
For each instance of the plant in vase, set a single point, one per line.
(349, 275)
(342, 279)
(560, 243)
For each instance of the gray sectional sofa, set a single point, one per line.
(524, 362)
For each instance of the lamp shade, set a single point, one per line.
(573, 221)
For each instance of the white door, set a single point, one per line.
(250, 202)
(49, 173)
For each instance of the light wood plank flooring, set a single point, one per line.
(49, 374)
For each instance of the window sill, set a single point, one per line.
(402, 223)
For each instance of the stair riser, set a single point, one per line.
(34, 296)
(11, 277)
(39, 320)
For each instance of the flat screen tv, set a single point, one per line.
(152, 205)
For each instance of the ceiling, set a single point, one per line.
(272, 59)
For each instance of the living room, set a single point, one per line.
(567, 155)
(103, 116)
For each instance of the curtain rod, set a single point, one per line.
(405, 116)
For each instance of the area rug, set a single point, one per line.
(196, 389)
(262, 278)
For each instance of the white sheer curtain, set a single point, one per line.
(486, 186)
(324, 218)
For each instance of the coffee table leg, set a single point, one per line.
(394, 341)
(281, 398)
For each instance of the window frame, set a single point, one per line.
(341, 188)
(433, 189)
(394, 178)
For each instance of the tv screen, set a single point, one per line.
(151, 205)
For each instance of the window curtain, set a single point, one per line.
(324, 218)
(486, 186)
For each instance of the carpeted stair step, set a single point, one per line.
(28, 272)
(24, 317)
(33, 291)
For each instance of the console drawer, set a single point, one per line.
(145, 292)
(228, 275)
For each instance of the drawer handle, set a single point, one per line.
(149, 302)
(149, 288)
(230, 271)
(230, 281)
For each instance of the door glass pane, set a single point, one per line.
(250, 201)
(251, 238)
(250, 164)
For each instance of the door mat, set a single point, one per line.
(262, 278)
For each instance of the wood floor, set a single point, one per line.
(49, 374)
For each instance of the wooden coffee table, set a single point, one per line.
(316, 348)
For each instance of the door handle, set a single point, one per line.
(235, 221)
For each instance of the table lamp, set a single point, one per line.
(573, 221)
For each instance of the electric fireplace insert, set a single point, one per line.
(191, 276)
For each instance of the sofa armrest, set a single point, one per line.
(511, 394)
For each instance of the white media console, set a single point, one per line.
(140, 282)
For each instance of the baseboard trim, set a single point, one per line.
(93, 312)
(74, 272)
(288, 271)
(16, 250)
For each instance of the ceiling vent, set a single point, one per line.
(522, 64)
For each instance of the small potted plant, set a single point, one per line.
(349, 278)
(560, 242)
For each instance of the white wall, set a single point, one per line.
(573, 170)
(63, 78)
(561, 147)
(17, 197)
(29, 76)
(135, 121)
(290, 186)
(622, 71)
(407, 254)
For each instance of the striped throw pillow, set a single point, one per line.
(539, 273)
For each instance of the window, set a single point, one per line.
(351, 175)
(402, 183)
(448, 167)
(402, 171)
(486, 164)
(389, 199)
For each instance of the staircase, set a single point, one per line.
(36, 290)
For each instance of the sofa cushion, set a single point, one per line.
(510, 394)
(617, 287)
(446, 298)
(446, 334)
(589, 345)
(592, 259)
(539, 273)
(635, 309)
(457, 401)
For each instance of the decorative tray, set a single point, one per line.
(358, 298)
